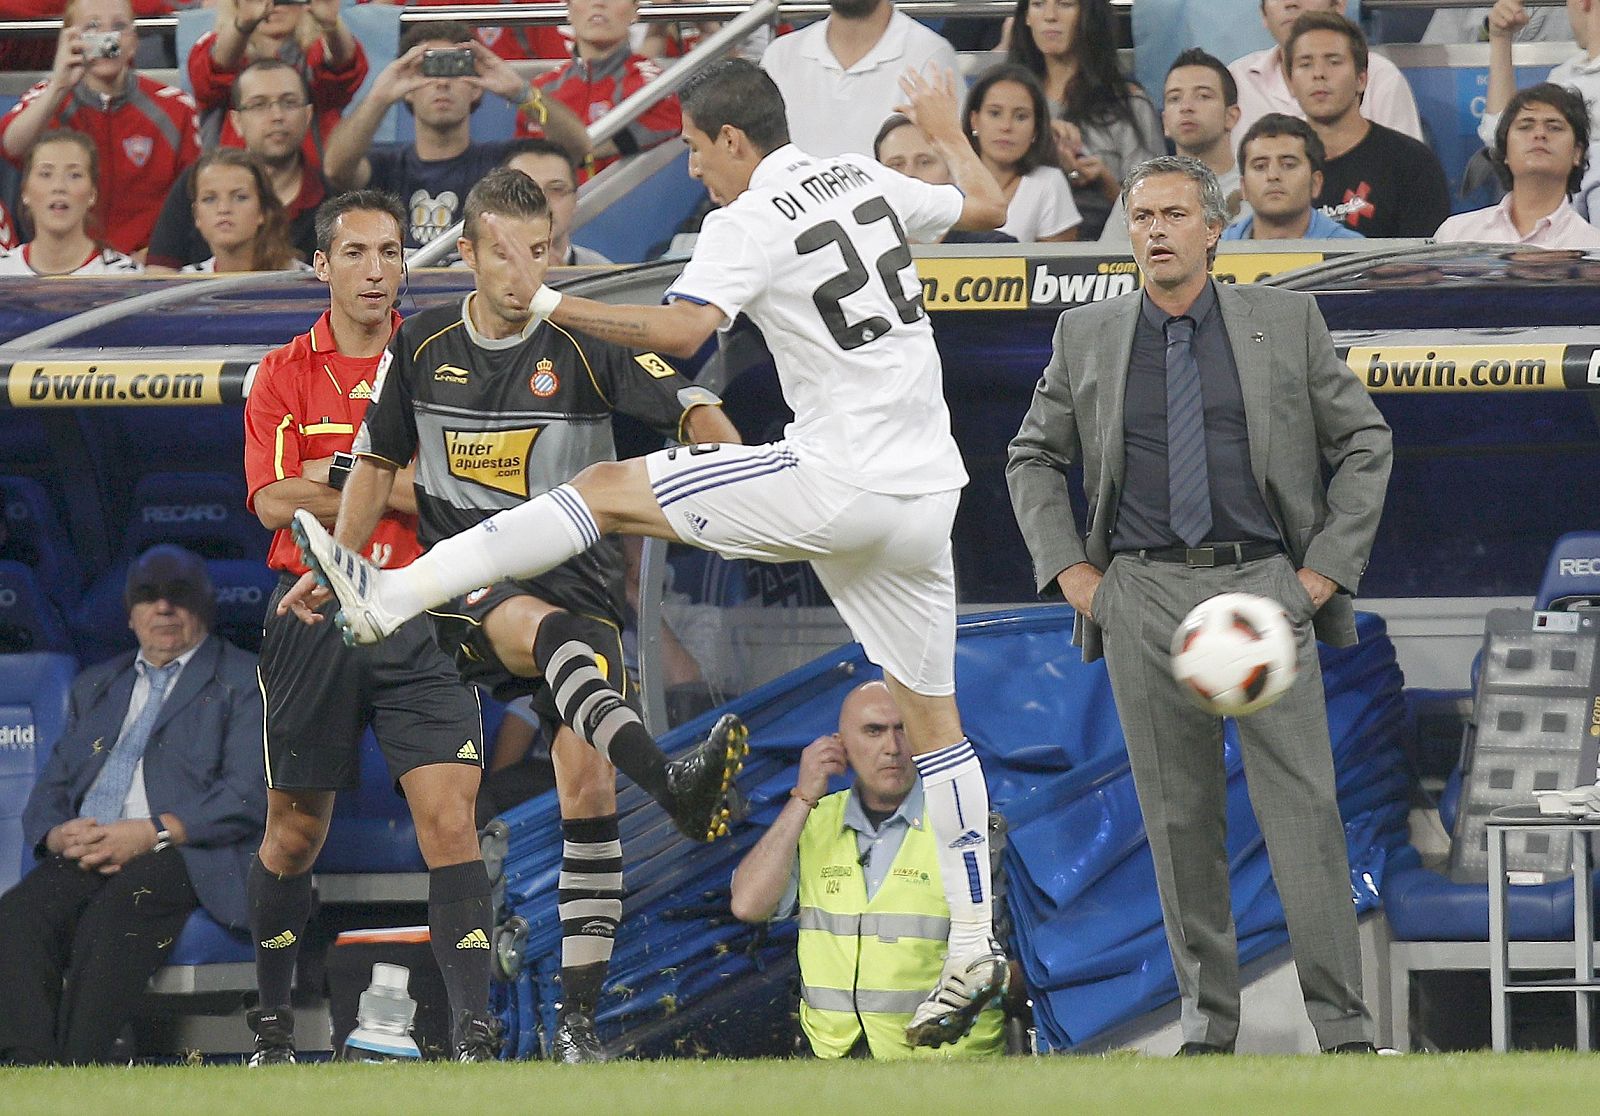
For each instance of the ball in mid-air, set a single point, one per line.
(1235, 654)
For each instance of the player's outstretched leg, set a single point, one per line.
(957, 805)
(524, 541)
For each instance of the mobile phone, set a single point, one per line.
(455, 62)
(101, 44)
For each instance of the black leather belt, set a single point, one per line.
(1218, 554)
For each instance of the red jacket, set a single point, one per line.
(331, 89)
(592, 89)
(515, 43)
(146, 135)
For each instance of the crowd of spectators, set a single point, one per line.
(1050, 111)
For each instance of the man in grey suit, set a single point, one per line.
(151, 804)
(1203, 415)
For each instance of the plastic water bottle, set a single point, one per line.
(383, 1019)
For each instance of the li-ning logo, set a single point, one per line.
(476, 939)
(280, 941)
(598, 927)
(967, 840)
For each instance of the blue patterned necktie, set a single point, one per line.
(105, 798)
(1188, 487)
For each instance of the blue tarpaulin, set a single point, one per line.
(1081, 885)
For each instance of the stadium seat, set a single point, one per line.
(29, 620)
(204, 512)
(34, 691)
(34, 536)
(1572, 573)
(371, 830)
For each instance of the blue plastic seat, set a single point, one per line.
(204, 512)
(371, 829)
(205, 941)
(34, 536)
(1572, 573)
(29, 620)
(34, 692)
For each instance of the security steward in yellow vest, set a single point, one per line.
(862, 867)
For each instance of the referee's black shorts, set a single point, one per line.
(320, 695)
(458, 627)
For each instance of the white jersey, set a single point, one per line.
(102, 261)
(815, 253)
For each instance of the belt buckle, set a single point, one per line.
(1200, 556)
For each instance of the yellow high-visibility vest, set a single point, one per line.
(866, 965)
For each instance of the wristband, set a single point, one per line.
(545, 301)
(810, 802)
(339, 470)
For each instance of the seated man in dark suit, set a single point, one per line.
(151, 805)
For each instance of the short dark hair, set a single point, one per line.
(1195, 56)
(267, 65)
(1565, 101)
(506, 193)
(1326, 21)
(353, 201)
(1282, 124)
(539, 146)
(892, 124)
(738, 94)
(1042, 151)
(444, 31)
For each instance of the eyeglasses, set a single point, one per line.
(285, 104)
(172, 591)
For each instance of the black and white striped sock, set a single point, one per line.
(589, 902)
(593, 708)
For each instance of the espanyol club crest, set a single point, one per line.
(544, 382)
(138, 149)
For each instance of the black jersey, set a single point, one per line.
(493, 423)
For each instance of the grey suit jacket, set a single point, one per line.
(1304, 409)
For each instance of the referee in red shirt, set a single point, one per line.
(305, 404)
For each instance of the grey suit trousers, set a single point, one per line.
(1175, 750)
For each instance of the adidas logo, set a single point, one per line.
(363, 390)
(697, 523)
(282, 941)
(477, 939)
(968, 839)
(467, 751)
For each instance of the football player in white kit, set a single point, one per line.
(864, 484)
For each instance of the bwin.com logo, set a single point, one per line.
(968, 839)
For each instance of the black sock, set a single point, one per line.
(593, 708)
(589, 901)
(279, 908)
(458, 925)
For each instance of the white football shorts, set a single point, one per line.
(885, 560)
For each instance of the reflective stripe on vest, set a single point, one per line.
(884, 927)
(865, 965)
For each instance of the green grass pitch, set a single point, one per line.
(1420, 1085)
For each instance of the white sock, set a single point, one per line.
(523, 541)
(958, 814)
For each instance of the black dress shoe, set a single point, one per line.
(1352, 1048)
(1196, 1049)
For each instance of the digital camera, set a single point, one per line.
(455, 62)
(101, 44)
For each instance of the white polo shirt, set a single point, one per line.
(815, 253)
(1493, 225)
(1264, 88)
(833, 110)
